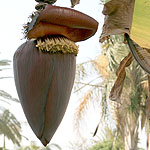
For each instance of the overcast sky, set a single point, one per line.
(14, 13)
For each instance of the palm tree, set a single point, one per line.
(111, 140)
(9, 125)
(128, 93)
(129, 90)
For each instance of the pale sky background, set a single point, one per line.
(14, 13)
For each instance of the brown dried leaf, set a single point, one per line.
(124, 63)
(143, 120)
(148, 100)
(118, 17)
(121, 74)
(117, 88)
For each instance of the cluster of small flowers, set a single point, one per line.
(57, 45)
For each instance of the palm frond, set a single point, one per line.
(10, 127)
(87, 101)
(121, 74)
(85, 69)
(87, 84)
(5, 62)
(83, 73)
(101, 64)
(7, 96)
(82, 108)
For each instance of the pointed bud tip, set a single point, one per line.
(44, 141)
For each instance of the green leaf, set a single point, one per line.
(140, 31)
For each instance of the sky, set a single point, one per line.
(14, 13)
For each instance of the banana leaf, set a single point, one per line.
(128, 16)
(131, 18)
(140, 30)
